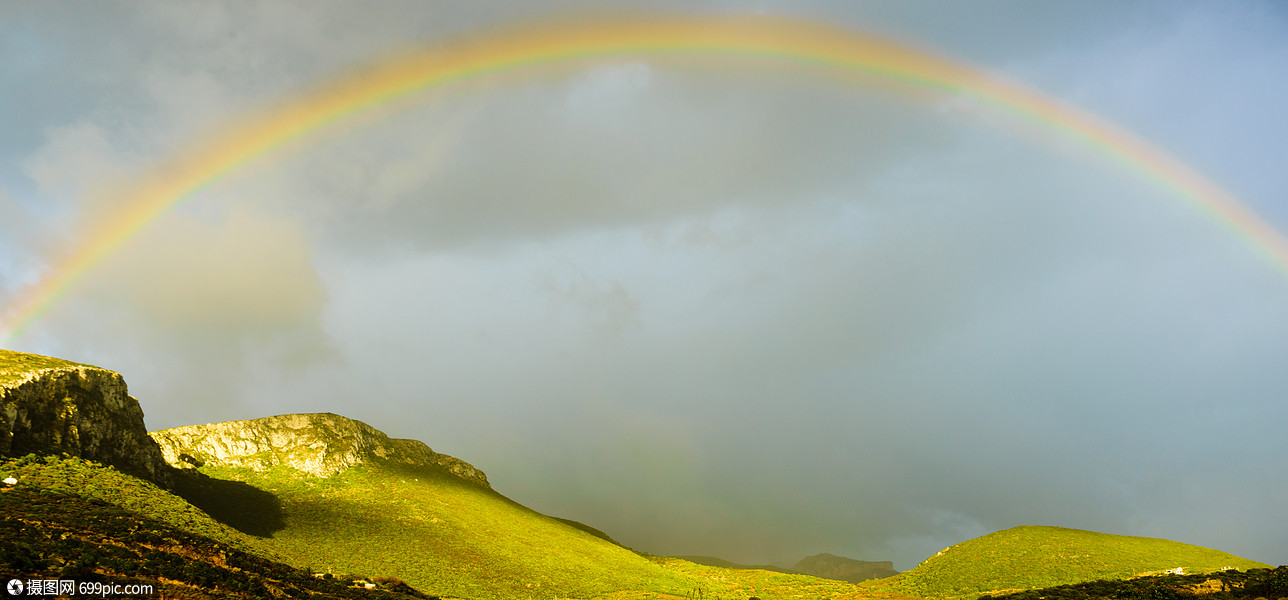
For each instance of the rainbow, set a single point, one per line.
(797, 42)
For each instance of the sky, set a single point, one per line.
(740, 309)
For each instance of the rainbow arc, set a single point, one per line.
(803, 43)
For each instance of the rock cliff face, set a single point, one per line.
(51, 406)
(321, 444)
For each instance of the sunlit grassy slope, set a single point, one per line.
(445, 536)
(1024, 558)
(453, 538)
(365, 522)
(424, 526)
(1253, 584)
(16, 365)
(95, 482)
(718, 583)
(68, 518)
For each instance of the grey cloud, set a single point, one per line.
(19, 229)
(664, 144)
(77, 163)
(609, 306)
(196, 309)
(248, 273)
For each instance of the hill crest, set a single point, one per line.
(320, 444)
(1031, 557)
(54, 406)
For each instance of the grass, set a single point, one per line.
(232, 529)
(719, 583)
(445, 536)
(1224, 585)
(1024, 558)
(16, 366)
(448, 537)
(98, 483)
(438, 533)
(66, 518)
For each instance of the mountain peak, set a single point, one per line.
(52, 406)
(320, 444)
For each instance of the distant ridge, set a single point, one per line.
(712, 561)
(825, 566)
(830, 566)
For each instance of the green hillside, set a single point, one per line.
(1253, 584)
(16, 365)
(717, 583)
(335, 496)
(1023, 558)
(98, 483)
(444, 536)
(68, 518)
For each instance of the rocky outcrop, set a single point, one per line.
(51, 406)
(830, 566)
(321, 444)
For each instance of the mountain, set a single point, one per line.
(52, 406)
(88, 496)
(290, 506)
(342, 497)
(1023, 558)
(319, 505)
(830, 566)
